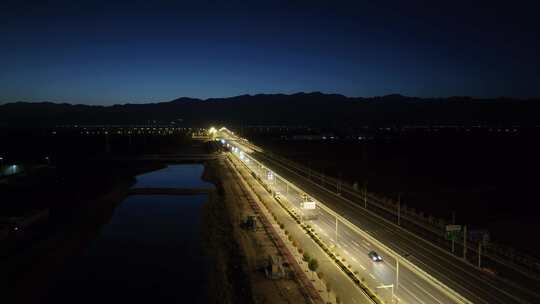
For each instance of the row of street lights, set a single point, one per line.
(272, 179)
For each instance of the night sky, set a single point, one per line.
(146, 51)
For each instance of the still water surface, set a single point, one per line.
(150, 251)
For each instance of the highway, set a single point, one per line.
(473, 285)
(340, 282)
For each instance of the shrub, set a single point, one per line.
(306, 257)
(313, 264)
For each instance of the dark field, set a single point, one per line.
(487, 178)
(80, 184)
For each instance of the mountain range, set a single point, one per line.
(311, 109)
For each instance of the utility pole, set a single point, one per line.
(399, 209)
(465, 242)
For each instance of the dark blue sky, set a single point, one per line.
(140, 51)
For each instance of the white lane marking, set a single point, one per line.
(361, 266)
(354, 259)
(412, 294)
(356, 243)
(390, 265)
(419, 287)
(372, 276)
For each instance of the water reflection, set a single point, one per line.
(186, 176)
(149, 252)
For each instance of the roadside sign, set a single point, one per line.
(308, 205)
(452, 235)
(452, 232)
(453, 227)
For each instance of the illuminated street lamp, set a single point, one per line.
(1, 161)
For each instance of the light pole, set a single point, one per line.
(465, 242)
(338, 185)
(399, 210)
(365, 195)
(336, 230)
(453, 237)
(479, 254)
(397, 272)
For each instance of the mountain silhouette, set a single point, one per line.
(311, 109)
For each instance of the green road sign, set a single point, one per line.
(452, 235)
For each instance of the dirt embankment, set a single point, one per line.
(228, 280)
